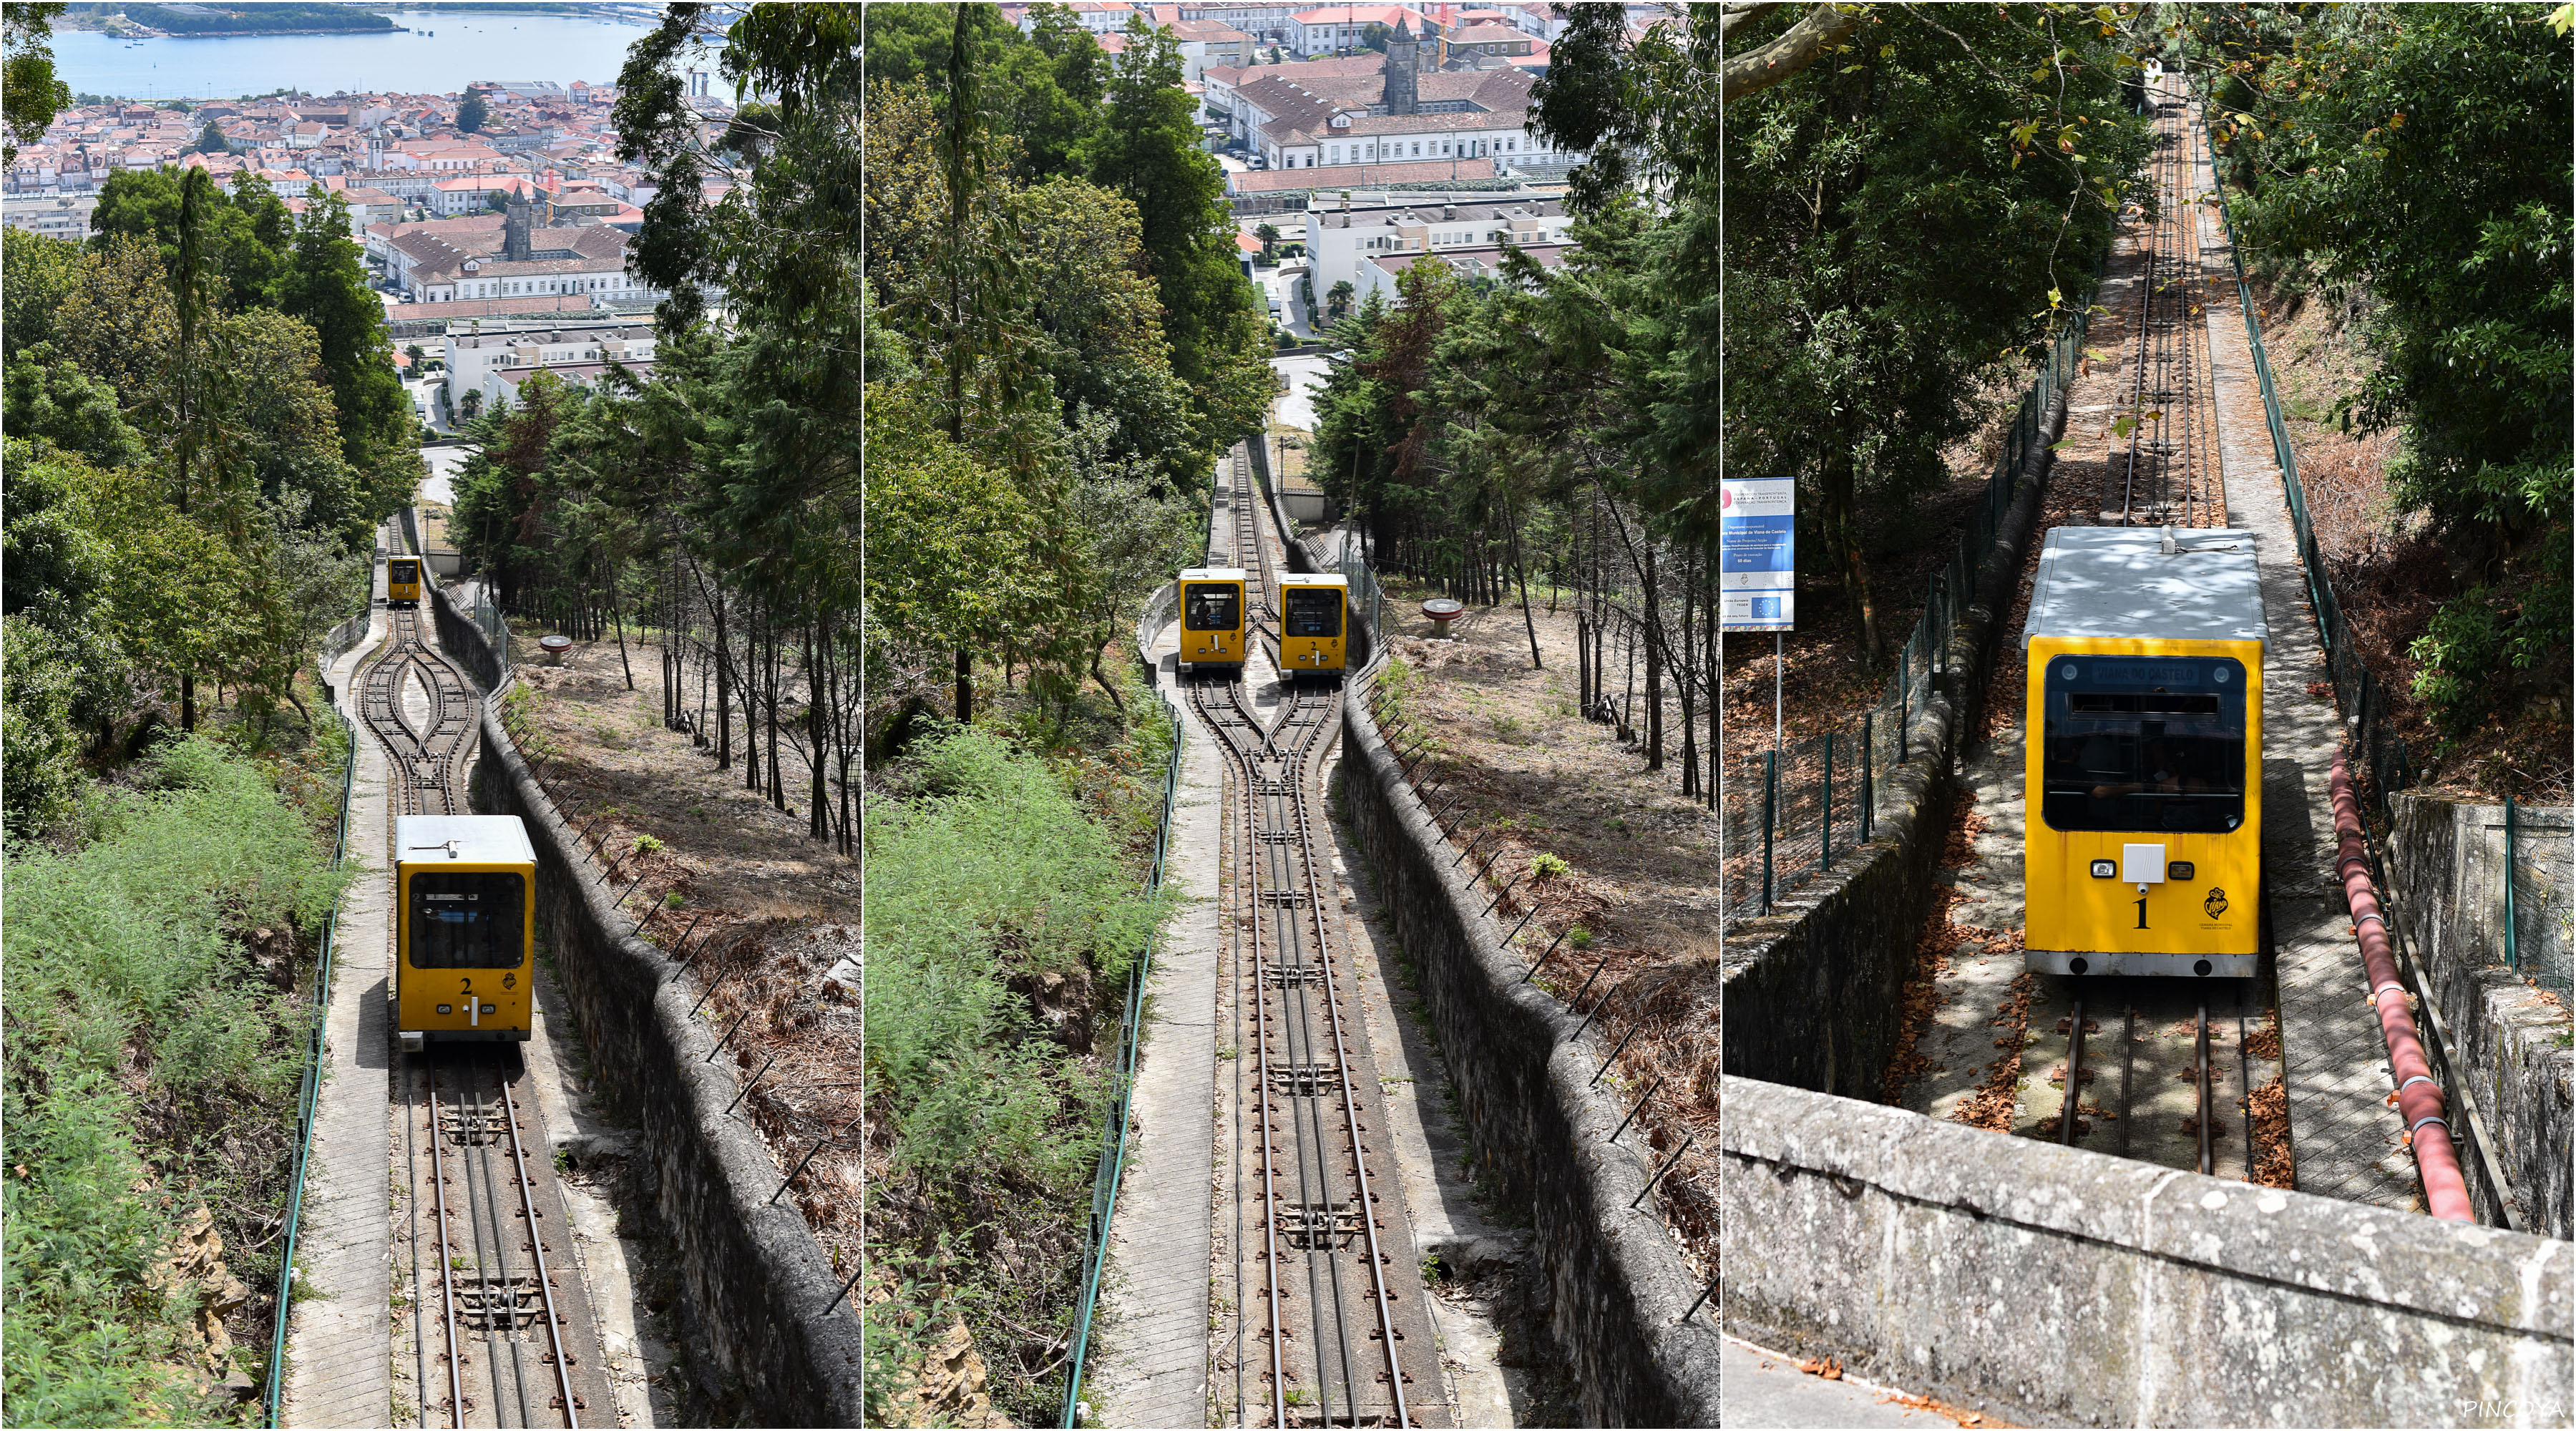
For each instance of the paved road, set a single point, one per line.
(1296, 407)
(443, 462)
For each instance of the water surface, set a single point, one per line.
(467, 46)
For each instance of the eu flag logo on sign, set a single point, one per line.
(1766, 608)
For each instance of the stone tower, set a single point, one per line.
(514, 230)
(1401, 65)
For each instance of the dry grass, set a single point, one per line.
(759, 912)
(1632, 913)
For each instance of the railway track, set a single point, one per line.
(502, 1332)
(421, 706)
(505, 1335)
(1338, 1319)
(2143, 1068)
(2168, 475)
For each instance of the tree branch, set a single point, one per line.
(1824, 26)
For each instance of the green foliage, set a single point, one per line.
(324, 283)
(472, 113)
(52, 399)
(33, 95)
(2423, 152)
(40, 773)
(118, 321)
(1547, 866)
(36, 275)
(1898, 228)
(986, 878)
(127, 995)
(246, 231)
(1148, 149)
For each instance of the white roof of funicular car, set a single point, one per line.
(1213, 573)
(477, 839)
(2114, 582)
(1314, 579)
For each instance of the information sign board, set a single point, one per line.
(1757, 575)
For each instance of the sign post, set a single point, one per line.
(1757, 535)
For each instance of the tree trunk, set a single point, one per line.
(777, 787)
(818, 822)
(618, 609)
(1684, 680)
(724, 689)
(1842, 543)
(1528, 622)
(1654, 666)
(965, 687)
(1716, 642)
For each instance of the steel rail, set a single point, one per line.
(537, 1249)
(446, 1255)
(2074, 1073)
(1247, 877)
(1278, 861)
(1341, 1057)
(477, 1211)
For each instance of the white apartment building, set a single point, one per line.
(1341, 238)
(493, 359)
(1326, 28)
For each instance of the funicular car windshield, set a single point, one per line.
(2137, 743)
(470, 919)
(1210, 606)
(1314, 611)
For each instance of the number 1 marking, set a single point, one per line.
(2142, 913)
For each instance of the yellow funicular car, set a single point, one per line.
(402, 581)
(1215, 621)
(465, 887)
(1314, 618)
(2142, 782)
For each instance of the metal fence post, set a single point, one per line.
(1770, 806)
(2512, 950)
(1868, 758)
(1828, 823)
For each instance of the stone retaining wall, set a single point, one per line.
(2507, 1047)
(754, 1280)
(2053, 1286)
(1616, 1286)
(1814, 992)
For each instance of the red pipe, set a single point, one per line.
(2419, 1098)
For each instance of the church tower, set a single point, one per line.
(1401, 65)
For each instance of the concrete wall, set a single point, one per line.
(2508, 1048)
(1616, 1284)
(2055, 1286)
(1814, 991)
(755, 1280)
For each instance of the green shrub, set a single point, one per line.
(125, 989)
